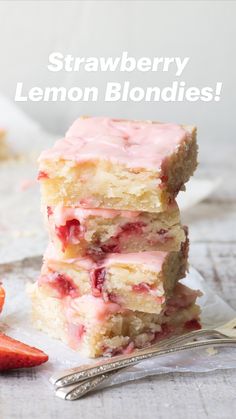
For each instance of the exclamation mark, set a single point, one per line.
(218, 91)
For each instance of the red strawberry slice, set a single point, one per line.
(98, 277)
(42, 175)
(64, 285)
(69, 233)
(15, 354)
(49, 211)
(111, 248)
(2, 297)
(133, 228)
(193, 325)
(142, 287)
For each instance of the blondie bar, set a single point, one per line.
(118, 164)
(94, 327)
(79, 232)
(137, 281)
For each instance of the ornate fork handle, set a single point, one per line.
(97, 376)
(84, 372)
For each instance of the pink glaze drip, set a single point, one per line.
(75, 334)
(134, 144)
(154, 259)
(95, 308)
(51, 256)
(63, 214)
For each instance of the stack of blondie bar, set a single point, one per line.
(110, 277)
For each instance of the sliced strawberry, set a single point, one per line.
(15, 354)
(64, 285)
(69, 233)
(49, 211)
(142, 287)
(111, 247)
(133, 228)
(42, 175)
(98, 277)
(193, 325)
(164, 178)
(2, 297)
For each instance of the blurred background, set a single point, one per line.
(203, 30)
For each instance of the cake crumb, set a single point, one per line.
(211, 351)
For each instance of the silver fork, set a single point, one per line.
(91, 376)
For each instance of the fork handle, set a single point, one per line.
(83, 372)
(76, 391)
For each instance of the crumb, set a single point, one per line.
(211, 351)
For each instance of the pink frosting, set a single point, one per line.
(98, 309)
(153, 259)
(83, 262)
(63, 214)
(134, 144)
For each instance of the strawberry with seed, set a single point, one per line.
(15, 354)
